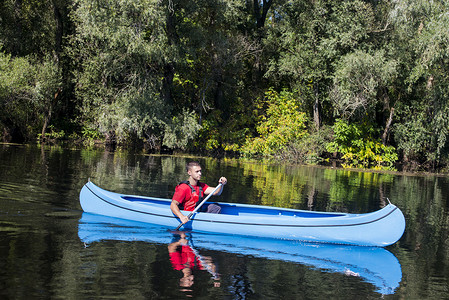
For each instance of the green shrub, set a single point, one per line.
(280, 123)
(358, 147)
(182, 129)
(90, 135)
(310, 149)
(52, 134)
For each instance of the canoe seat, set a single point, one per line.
(230, 209)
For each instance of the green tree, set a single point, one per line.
(422, 43)
(32, 33)
(16, 77)
(47, 89)
(313, 35)
(28, 94)
(121, 50)
(29, 26)
(361, 83)
(212, 73)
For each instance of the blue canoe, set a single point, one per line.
(380, 228)
(375, 265)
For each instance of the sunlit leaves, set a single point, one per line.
(359, 148)
(280, 123)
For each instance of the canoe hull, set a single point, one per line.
(380, 228)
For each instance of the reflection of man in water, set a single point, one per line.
(185, 259)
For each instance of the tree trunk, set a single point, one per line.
(261, 17)
(59, 27)
(169, 67)
(48, 116)
(316, 110)
(387, 127)
(18, 45)
(167, 82)
(45, 126)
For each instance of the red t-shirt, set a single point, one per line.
(184, 257)
(183, 194)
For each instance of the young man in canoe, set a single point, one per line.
(191, 192)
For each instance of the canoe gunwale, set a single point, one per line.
(126, 208)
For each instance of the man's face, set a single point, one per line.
(195, 173)
(186, 281)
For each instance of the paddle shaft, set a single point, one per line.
(201, 204)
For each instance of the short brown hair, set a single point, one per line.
(191, 165)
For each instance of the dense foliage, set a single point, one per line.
(360, 146)
(274, 78)
(280, 124)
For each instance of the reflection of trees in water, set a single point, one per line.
(311, 198)
(45, 246)
(423, 199)
(305, 187)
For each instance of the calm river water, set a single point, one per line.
(51, 250)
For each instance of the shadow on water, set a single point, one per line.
(375, 265)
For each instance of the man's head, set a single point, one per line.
(188, 279)
(194, 170)
(192, 164)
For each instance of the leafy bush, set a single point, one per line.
(27, 93)
(413, 134)
(90, 135)
(52, 134)
(182, 129)
(16, 105)
(358, 147)
(280, 123)
(310, 149)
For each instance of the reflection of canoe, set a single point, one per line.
(372, 264)
(380, 228)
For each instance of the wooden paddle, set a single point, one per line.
(202, 202)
